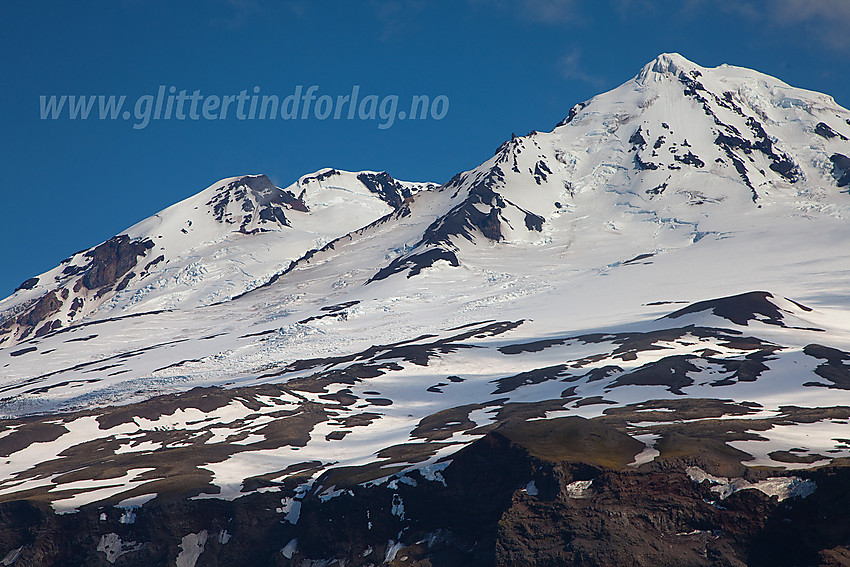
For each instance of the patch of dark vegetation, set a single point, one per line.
(573, 439)
(27, 432)
(479, 517)
(593, 401)
(446, 423)
(748, 369)
(793, 458)
(629, 345)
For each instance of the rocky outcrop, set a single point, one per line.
(509, 499)
(96, 272)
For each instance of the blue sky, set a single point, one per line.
(503, 67)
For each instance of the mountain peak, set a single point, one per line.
(666, 64)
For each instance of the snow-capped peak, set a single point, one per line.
(670, 64)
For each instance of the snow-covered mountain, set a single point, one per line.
(227, 239)
(655, 287)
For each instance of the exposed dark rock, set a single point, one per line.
(786, 168)
(840, 169)
(321, 176)
(388, 189)
(639, 257)
(46, 306)
(483, 516)
(657, 190)
(637, 140)
(154, 262)
(670, 371)
(689, 159)
(740, 309)
(255, 193)
(536, 376)
(572, 114)
(836, 369)
(541, 172)
(466, 217)
(534, 222)
(643, 165)
(23, 351)
(415, 263)
(825, 131)
(112, 259)
(28, 284)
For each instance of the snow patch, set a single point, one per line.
(112, 546)
(781, 487)
(12, 556)
(433, 472)
(649, 452)
(192, 545)
(398, 506)
(128, 517)
(290, 548)
(292, 508)
(393, 547)
(579, 489)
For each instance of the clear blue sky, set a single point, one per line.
(505, 66)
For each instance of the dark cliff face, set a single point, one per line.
(105, 268)
(112, 260)
(495, 504)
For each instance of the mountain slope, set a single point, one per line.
(215, 245)
(652, 294)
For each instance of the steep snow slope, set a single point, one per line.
(630, 267)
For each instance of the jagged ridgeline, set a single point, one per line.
(621, 342)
